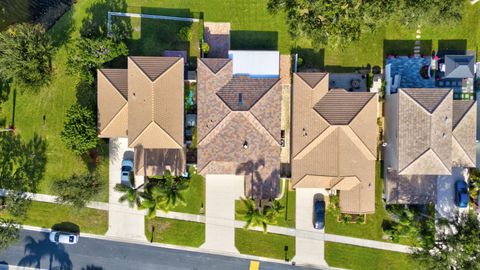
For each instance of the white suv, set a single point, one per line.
(63, 237)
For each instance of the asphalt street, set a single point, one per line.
(35, 250)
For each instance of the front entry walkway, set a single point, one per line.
(309, 250)
(123, 221)
(221, 193)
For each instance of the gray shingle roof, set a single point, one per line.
(242, 92)
(311, 78)
(459, 66)
(428, 98)
(339, 107)
(153, 67)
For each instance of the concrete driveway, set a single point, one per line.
(221, 193)
(309, 251)
(123, 221)
(445, 205)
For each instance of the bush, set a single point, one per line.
(77, 190)
(80, 130)
(205, 48)
(185, 34)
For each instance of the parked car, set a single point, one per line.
(63, 237)
(461, 194)
(319, 208)
(127, 167)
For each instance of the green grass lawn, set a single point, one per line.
(354, 257)
(175, 232)
(264, 244)
(62, 217)
(194, 196)
(372, 229)
(287, 218)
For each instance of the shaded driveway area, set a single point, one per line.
(123, 221)
(445, 205)
(309, 250)
(221, 193)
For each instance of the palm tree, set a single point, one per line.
(171, 187)
(131, 193)
(153, 200)
(254, 216)
(273, 210)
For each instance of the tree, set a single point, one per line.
(205, 48)
(254, 216)
(131, 192)
(340, 22)
(25, 55)
(9, 232)
(456, 245)
(87, 55)
(273, 211)
(80, 129)
(77, 190)
(152, 200)
(185, 34)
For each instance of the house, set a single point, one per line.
(238, 117)
(334, 141)
(427, 133)
(458, 72)
(144, 104)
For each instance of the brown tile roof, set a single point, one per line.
(334, 148)
(428, 98)
(153, 67)
(311, 78)
(156, 161)
(224, 127)
(242, 92)
(340, 107)
(215, 64)
(460, 108)
(118, 78)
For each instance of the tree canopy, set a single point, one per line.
(456, 245)
(340, 22)
(77, 190)
(25, 55)
(80, 129)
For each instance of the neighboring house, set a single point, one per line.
(427, 133)
(458, 72)
(144, 103)
(238, 116)
(334, 141)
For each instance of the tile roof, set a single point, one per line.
(340, 107)
(428, 98)
(311, 78)
(153, 67)
(215, 64)
(334, 141)
(460, 108)
(118, 78)
(464, 133)
(242, 92)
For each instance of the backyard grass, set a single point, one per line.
(62, 217)
(354, 257)
(175, 232)
(372, 229)
(265, 244)
(285, 219)
(194, 196)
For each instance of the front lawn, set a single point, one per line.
(355, 257)
(175, 232)
(285, 219)
(265, 244)
(194, 196)
(62, 217)
(372, 229)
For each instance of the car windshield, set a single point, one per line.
(126, 168)
(71, 238)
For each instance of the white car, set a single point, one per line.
(63, 237)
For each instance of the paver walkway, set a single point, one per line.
(123, 221)
(221, 193)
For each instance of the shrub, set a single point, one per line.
(205, 48)
(80, 129)
(185, 34)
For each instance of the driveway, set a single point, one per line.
(221, 193)
(123, 221)
(309, 251)
(445, 205)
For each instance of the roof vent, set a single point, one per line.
(304, 132)
(245, 144)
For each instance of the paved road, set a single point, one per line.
(35, 250)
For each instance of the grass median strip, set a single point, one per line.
(268, 245)
(62, 217)
(354, 257)
(175, 232)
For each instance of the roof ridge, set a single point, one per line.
(111, 83)
(166, 132)
(311, 73)
(140, 133)
(463, 114)
(215, 127)
(461, 147)
(358, 137)
(113, 118)
(441, 161)
(422, 105)
(251, 117)
(226, 62)
(330, 129)
(413, 160)
(143, 71)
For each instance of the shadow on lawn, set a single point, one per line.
(452, 46)
(42, 250)
(254, 40)
(95, 23)
(405, 47)
(66, 227)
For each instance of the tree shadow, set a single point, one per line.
(66, 227)
(42, 250)
(310, 59)
(258, 186)
(86, 95)
(95, 24)
(61, 25)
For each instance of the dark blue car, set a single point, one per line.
(461, 194)
(319, 222)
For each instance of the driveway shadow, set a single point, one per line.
(53, 256)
